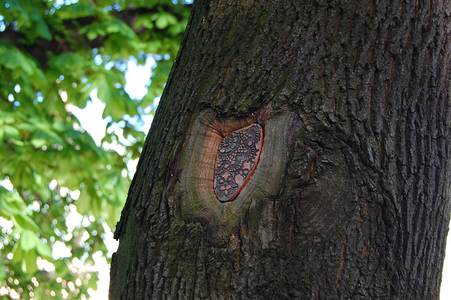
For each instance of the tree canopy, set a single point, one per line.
(54, 55)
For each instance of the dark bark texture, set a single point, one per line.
(364, 207)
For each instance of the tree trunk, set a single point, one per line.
(350, 198)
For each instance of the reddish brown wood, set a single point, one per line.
(237, 158)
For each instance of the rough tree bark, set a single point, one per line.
(362, 210)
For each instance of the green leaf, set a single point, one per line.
(104, 89)
(92, 283)
(11, 203)
(28, 240)
(77, 10)
(13, 59)
(10, 132)
(42, 29)
(68, 62)
(44, 249)
(21, 65)
(18, 254)
(45, 137)
(2, 271)
(26, 223)
(30, 263)
(144, 21)
(106, 27)
(61, 267)
(83, 203)
(164, 20)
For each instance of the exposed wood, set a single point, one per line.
(237, 158)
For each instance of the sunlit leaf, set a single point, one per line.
(30, 263)
(2, 271)
(28, 240)
(26, 223)
(44, 249)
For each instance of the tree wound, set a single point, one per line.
(237, 158)
(198, 193)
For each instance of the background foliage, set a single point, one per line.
(54, 55)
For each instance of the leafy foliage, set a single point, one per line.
(55, 55)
